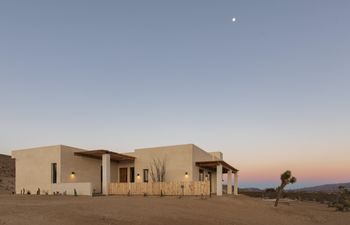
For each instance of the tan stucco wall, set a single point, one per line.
(33, 168)
(86, 169)
(178, 161)
(216, 155)
(201, 155)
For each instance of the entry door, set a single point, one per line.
(123, 175)
(209, 177)
(101, 175)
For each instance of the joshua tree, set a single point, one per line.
(286, 178)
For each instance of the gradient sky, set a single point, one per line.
(271, 91)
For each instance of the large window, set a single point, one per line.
(123, 175)
(201, 175)
(132, 174)
(145, 175)
(54, 173)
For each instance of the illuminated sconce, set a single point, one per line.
(186, 174)
(138, 176)
(72, 175)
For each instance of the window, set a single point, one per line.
(132, 174)
(145, 175)
(201, 175)
(54, 173)
(123, 175)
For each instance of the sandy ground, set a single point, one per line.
(241, 210)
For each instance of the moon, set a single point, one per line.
(233, 19)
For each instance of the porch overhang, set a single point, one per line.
(212, 165)
(97, 154)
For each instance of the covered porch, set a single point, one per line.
(221, 167)
(107, 157)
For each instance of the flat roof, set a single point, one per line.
(212, 165)
(97, 154)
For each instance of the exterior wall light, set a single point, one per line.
(186, 174)
(72, 175)
(138, 176)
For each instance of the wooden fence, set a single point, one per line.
(158, 188)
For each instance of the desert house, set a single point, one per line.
(63, 169)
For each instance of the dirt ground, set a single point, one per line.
(112, 210)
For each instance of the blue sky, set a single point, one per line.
(271, 91)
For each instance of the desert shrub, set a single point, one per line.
(341, 201)
(254, 194)
(269, 193)
(322, 197)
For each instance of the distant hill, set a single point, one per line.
(7, 174)
(250, 189)
(325, 187)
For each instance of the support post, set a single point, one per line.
(219, 180)
(106, 173)
(229, 182)
(235, 190)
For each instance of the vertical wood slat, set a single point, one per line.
(155, 188)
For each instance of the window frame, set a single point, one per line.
(145, 175)
(132, 175)
(53, 173)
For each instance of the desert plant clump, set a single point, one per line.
(203, 197)
(286, 178)
(269, 193)
(342, 201)
(158, 170)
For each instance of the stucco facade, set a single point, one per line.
(58, 168)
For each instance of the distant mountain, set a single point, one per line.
(7, 174)
(325, 187)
